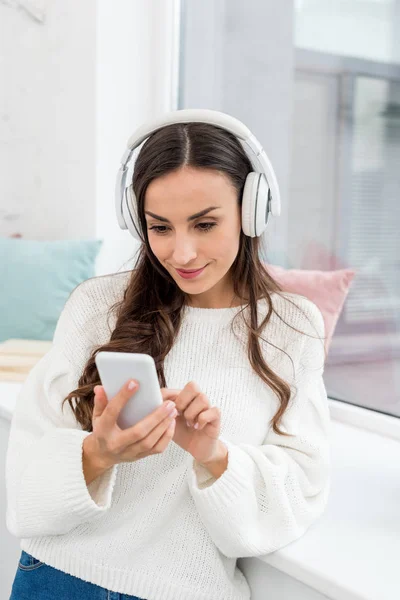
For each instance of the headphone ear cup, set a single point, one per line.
(129, 210)
(255, 204)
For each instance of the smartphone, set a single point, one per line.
(115, 368)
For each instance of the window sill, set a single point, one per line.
(367, 420)
(351, 552)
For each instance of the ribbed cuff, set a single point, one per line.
(100, 489)
(53, 496)
(229, 486)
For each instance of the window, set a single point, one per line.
(326, 108)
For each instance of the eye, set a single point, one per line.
(207, 226)
(204, 227)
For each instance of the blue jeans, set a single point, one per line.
(35, 580)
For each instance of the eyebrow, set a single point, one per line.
(196, 216)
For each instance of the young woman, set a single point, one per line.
(241, 468)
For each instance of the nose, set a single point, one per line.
(184, 251)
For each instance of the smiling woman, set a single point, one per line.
(190, 243)
(187, 174)
(167, 508)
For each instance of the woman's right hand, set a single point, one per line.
(108, 444)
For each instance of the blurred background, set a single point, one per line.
(316, 81)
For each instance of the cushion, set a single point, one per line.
(18, 357)
(36, 278)
(327, 289)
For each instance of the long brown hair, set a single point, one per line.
(153, 329)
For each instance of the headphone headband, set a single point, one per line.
(191, 115)
(250, 144)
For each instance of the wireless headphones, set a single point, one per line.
(260, 194)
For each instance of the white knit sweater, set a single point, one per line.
(162, 528)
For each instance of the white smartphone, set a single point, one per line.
(115, 368)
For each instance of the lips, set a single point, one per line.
(191, 270)
(190, 274)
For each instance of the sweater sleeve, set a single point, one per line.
(46, 489)
(270, 494)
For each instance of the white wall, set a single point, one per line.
(136, 79)
(47, 125)
(75, 88)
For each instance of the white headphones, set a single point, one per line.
(260, 194)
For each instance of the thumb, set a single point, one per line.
(100, 400)
(169, 393)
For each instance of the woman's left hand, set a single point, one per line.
(194, 410)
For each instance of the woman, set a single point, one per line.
(162, 510)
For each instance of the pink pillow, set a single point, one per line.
(327, 289)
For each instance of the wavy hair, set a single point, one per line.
(148, 317)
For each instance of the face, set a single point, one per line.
(181, 242)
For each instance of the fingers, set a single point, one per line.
(116, 404)
(186, 396)
(120, 445)
(191, 402)
(169, 393)
(148, 424)
(197, 406)
(157, 440)
(166, 437)
(209, 417)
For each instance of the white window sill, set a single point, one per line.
(352, 552)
